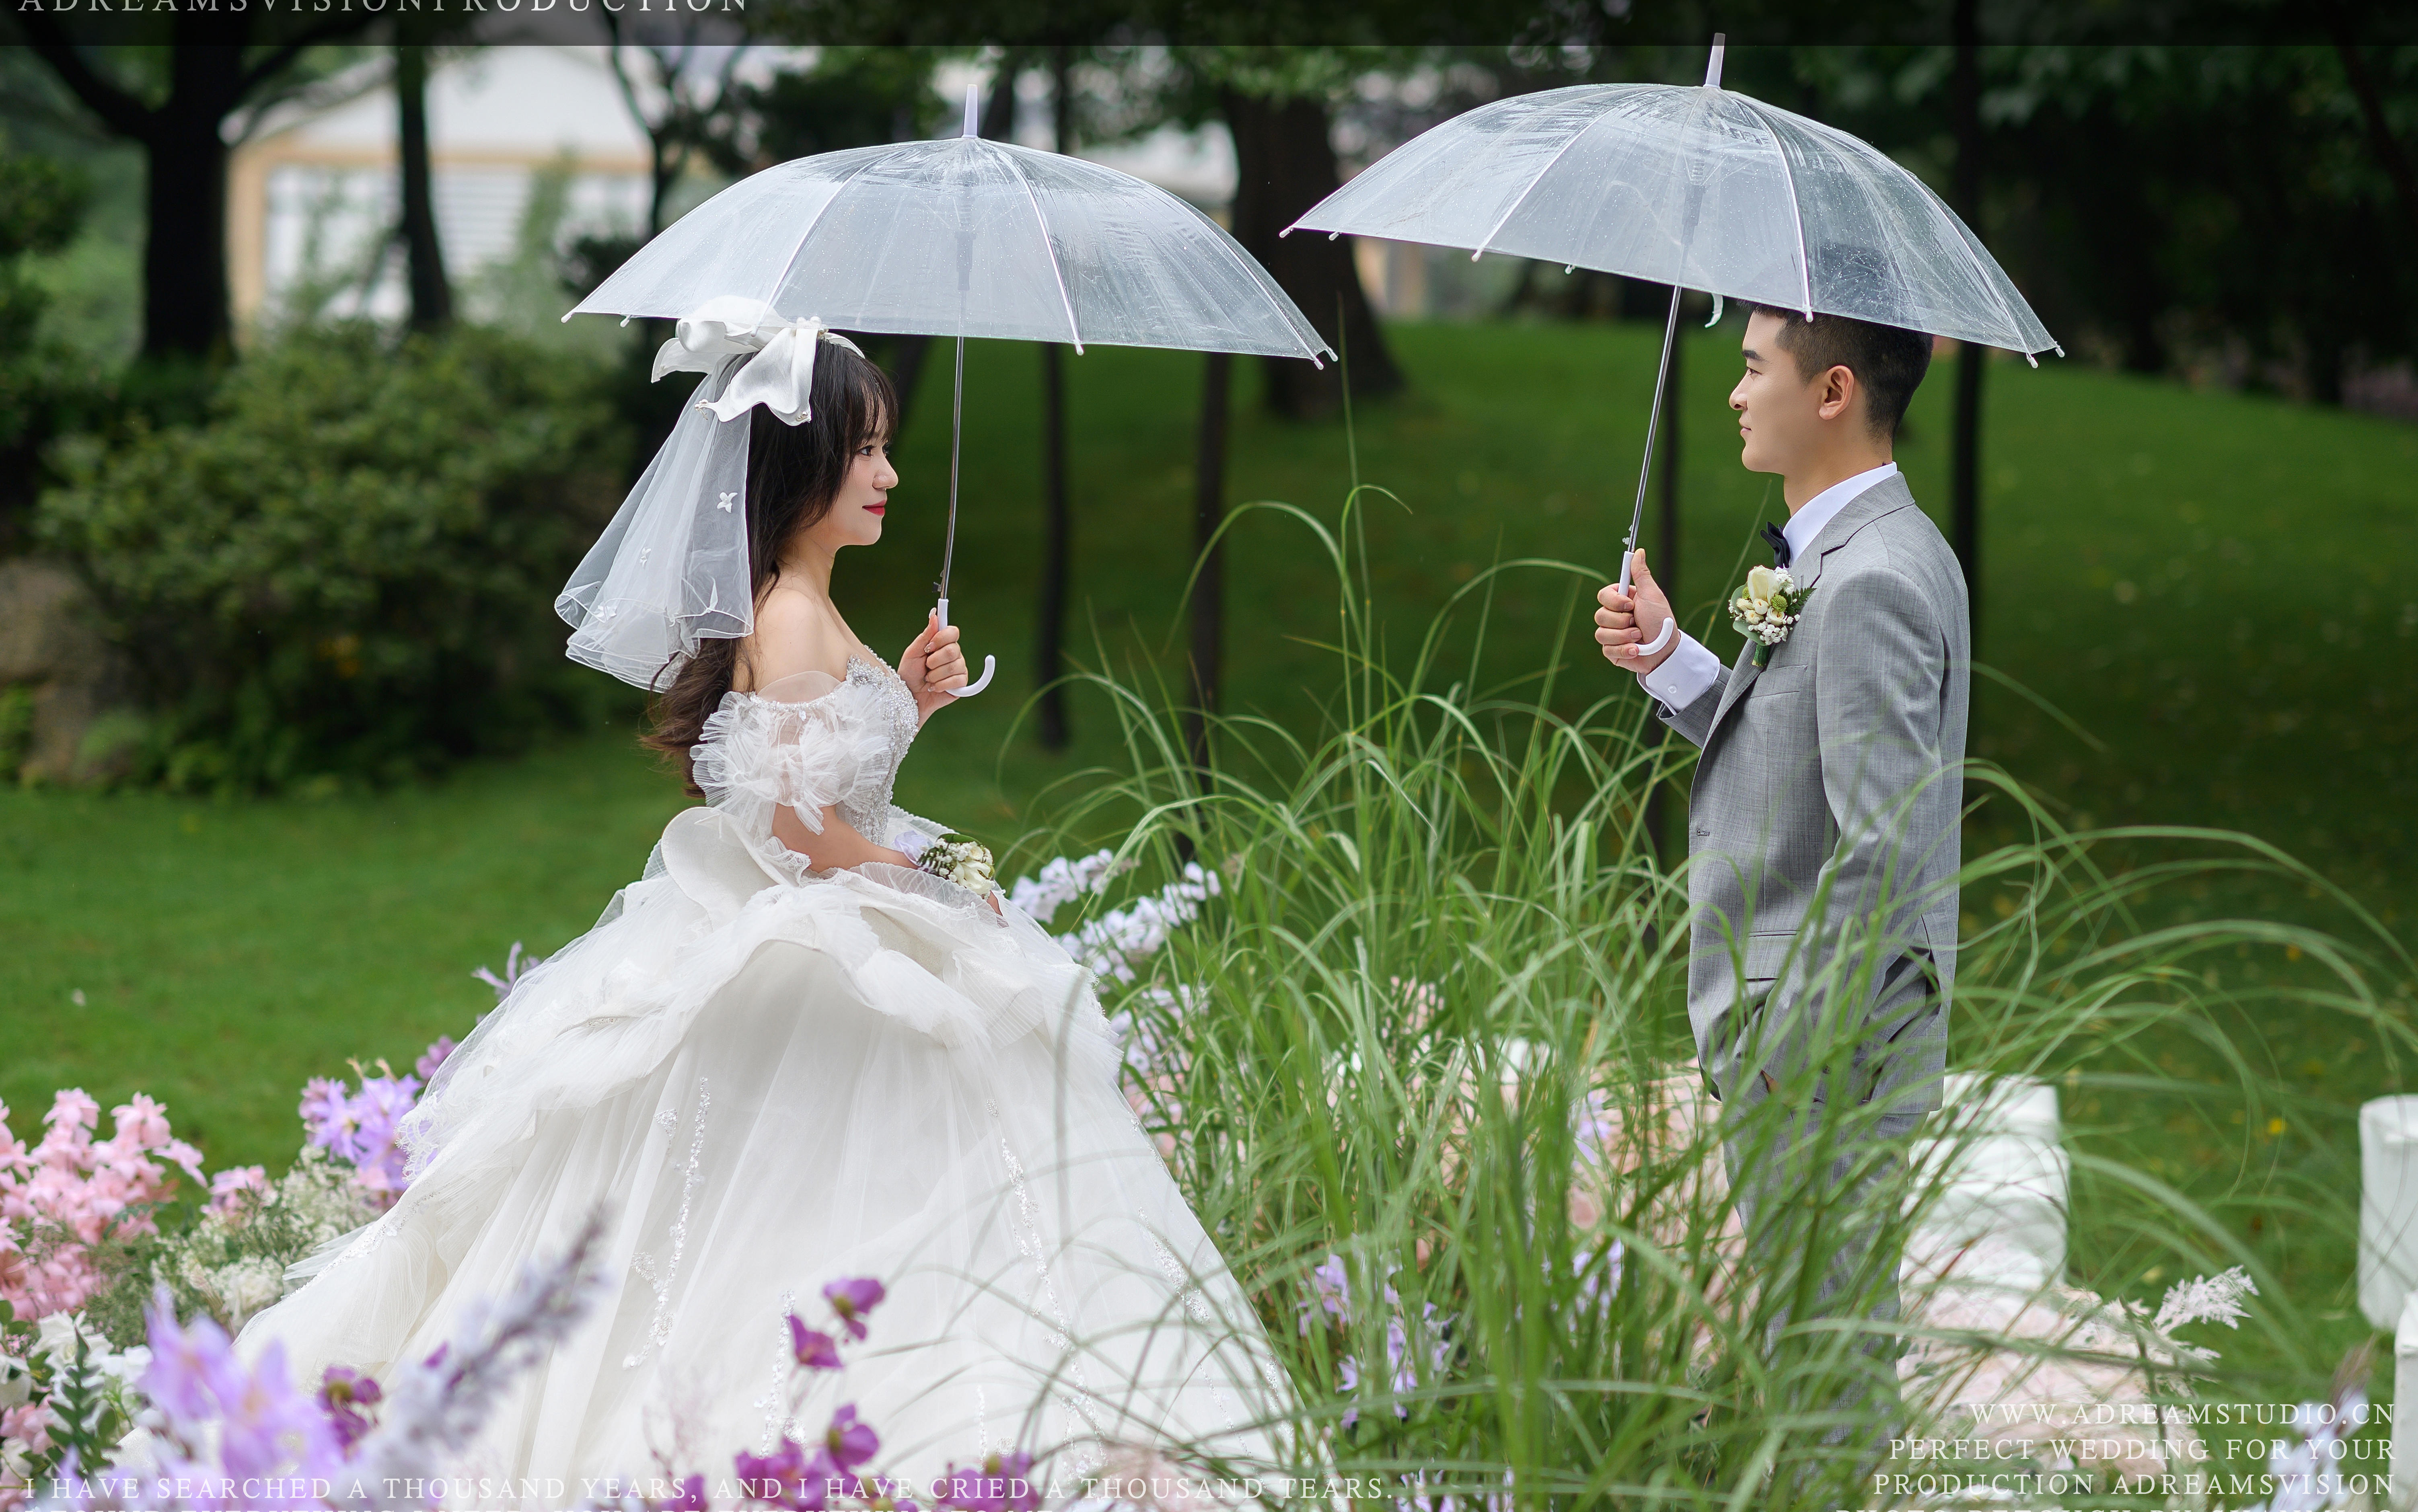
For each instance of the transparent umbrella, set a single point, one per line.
(966, 237)
(1700, 189)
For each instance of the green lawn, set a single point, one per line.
(2215, 585)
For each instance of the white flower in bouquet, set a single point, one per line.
(1766, 608)
(956, 858)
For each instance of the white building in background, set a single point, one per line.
(313, 189)
(314, 192)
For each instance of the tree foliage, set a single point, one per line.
(348, 569)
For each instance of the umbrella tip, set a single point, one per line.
(1713, 64)
(973, 110)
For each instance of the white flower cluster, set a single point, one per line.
(1766, 607)
(1063, 881)
(231, 1260)
(1112, 943)
(955, 859)
(2205, 1299)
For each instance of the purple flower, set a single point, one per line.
(852, 1300)
(785, 1478)
(358, 1128)
(265, 1426)
(184, 1363)
(691, 1497)
(816, 1350)
(515, 968)
(881, 1495)
(1333, 1289)
(325, 1111)
(343, 1393)
(1002, 1483)
(432, 1057)
(849, 1442)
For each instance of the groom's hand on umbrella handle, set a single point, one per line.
(1624, 622)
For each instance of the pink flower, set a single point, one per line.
(68, 1193)
(237, 1188)
(816, 1350)
(852, 1300)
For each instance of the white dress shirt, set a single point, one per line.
(1689, 669)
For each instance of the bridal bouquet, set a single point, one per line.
(956, 857)
(1765, 609)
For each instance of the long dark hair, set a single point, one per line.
(794, 472)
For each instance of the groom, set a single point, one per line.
(1822, 826)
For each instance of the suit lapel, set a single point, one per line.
(1889, 494)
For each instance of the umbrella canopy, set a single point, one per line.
(953, 237)
(1697, 187)
(961, 237)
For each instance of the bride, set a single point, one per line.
(787, 1057)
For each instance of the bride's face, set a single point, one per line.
(863, 498)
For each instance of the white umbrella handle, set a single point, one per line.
(1628, 552)
(991, 664)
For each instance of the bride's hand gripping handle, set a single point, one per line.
(933, 667)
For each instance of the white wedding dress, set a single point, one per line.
(770, 1080)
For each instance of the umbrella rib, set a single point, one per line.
(1514, 207)
(1260, 278)
(808, 230)
(1049, 248)
(1796, 211)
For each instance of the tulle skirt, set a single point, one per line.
(764, 1087)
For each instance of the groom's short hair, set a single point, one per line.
(1888, 361)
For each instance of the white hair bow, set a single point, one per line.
(779, 373)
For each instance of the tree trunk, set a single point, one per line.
(1209, 588)
(184, 307)
(185, 302)
(1285, 164)
(1057, 528)
(184, 252)
(432, 301)
(1964, 446)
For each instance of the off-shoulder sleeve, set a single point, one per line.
(807, 741)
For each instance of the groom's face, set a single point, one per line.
(1780, 411)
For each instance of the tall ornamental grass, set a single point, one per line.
(1423, 1067)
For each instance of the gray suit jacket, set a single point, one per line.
(1823, 824)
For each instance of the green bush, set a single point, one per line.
(348, 569)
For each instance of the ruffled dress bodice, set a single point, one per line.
(809, 743)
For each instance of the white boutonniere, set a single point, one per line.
(1765, 609)
(956, 858)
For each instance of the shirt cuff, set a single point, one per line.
(1684, 675)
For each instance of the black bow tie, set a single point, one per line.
(1779, 539)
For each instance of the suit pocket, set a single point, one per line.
(1793, 677)
(1766, 956)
